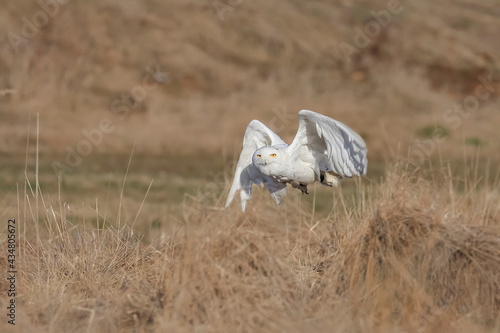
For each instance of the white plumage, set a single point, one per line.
(323, 150)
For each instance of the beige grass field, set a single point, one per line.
(120, 123)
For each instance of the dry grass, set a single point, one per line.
(413, 251)
(406, 255)
(225, 73)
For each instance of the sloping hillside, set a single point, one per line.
(388, 69)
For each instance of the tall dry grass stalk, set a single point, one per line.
(415, 256)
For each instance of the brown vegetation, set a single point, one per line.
(404, 255)
(143, 245)
(264, 59)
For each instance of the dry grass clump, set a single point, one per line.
(407, 260)
(414, 266)
(91, 280)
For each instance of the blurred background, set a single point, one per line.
(174, 84)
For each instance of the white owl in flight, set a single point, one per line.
(323, 150)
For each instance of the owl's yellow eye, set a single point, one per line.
(273, 155)
(258, 155)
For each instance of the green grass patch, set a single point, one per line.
(433, 131)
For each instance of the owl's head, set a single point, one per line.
(267, 159)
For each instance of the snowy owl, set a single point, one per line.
(323, 150)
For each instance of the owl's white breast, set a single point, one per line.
(286, 168)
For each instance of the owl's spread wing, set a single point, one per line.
(335, 146)
(257, 135)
